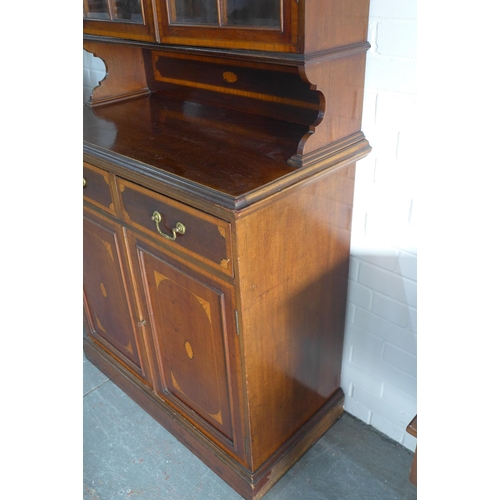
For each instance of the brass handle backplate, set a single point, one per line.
(178, 229)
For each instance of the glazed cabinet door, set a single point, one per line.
(194, 338)
(109, 303)
(132, 19)
(245, 24)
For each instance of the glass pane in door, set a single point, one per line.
(128, 10)
(195, 12)
(255, 13)
(96, 9)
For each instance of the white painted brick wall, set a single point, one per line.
(379, 371)
(93, 72)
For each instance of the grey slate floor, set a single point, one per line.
(128, 455)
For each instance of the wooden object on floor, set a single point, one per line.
(219, 163)
(412, 429)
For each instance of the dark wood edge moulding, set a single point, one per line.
(338, 155)
(249, 55)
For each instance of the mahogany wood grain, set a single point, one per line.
(276, 91)
(412, 430)
(309, 27)
(125, 73)
(413, 470)
(341, 82)
(185, 304)
(234, 154)
(108, 295)
(289, 344)
(293, 261)
(334, 23)
(206, 238)
(241, 37)
(133, 31)
(231, 336)
(276, 359)
(293, 449)
(189, 332)
(97, 188)
(224, 150)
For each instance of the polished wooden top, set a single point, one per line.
(230, 152)
(219, 155)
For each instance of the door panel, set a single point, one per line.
(236, 24)
(106, 293)
(189, 325)
(132, 19)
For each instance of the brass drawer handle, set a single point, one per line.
(178, 229)
(84, 182)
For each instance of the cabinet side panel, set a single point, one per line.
(334, 23)
(293, 271)
(341, 82)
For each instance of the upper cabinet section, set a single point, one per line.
(131, 19)
(287, 26)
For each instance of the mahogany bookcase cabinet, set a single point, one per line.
(219, 160)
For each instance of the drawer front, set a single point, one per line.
(206, 238)
(97, 188)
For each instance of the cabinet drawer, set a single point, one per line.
(97, 188)
(206, 238)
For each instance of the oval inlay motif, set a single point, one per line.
(229, 76)
(189, 350)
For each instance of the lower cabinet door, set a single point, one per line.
(194, 337)
(108, 299)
